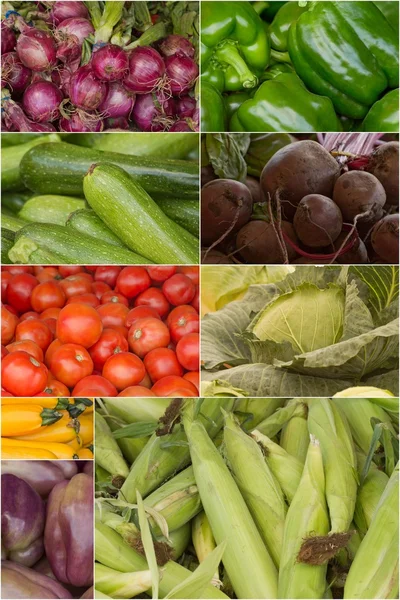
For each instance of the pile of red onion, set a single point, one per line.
(45, 87)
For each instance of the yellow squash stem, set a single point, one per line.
(307, 516)
(63, 431)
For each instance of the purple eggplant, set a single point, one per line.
(22, 521)
(88, 468)
(68, 535)
(18, 581)
(42, 475)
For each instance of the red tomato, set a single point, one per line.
(99, 288)
(110, 342)
(8, 324)
(87, 276)
(67, 270)
(76, 284)
(91, 268)
(48, 295)
(51, 324)
(79, 324)
(136, 391)
(154, 298)
(47, 393)
(113, 314)
(19, 291)
(47, 274)
(132, 281)
(161, 362)
(4, 351)
(31, 314)
(50, 313)
(56, 388)
(113, 297)
(55, 344)
(94, 385)
(179, 289)
(140, 312)
(17, 269)
(5, 279)
(90, 299)
(124, 369)
(147, 334)
(196, 300)
(35, 330)
(121, 329)
(70, 363)
(193, 377)
(188, 351)
(11, 309)
(182, 320)
(27, 346)
(161, 273)
(146, 381)
(107, 275)
(192, 272)
(174, 387)
(23, 375)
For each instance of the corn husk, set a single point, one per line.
(285, 468)
(130, 447)
(99, 595)
(141, 409)
(259, 488)
(368, 495)
(274, 423)
(121, 585)
(246, 560)
(307, 516)
(178, 540)
(295, 437)
(374, 572)
(252, 411)
(108, 454)
(202, 536)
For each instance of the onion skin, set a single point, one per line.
(77, 123)
(41, 101)
(85, 90)
(16, 120)
(36, 49)
(146, 68)
(70, 35)
(14, 73)
(180, 126)
(118, 101)
(110, 63)
(185, 107)
(117, 124)
(151, 116)
(8, 39)
(176, 44)
(182, 72)
(62, 10)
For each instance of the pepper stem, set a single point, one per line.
(229, 53)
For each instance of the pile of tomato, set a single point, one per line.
(100, 331)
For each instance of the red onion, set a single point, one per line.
(110, 63)
(41, 101)
(66, 10)
(153, 112)
(119, 123)
(70, 35)
(85, 90)
(185, 106)
(180, 126)
(16, 119)
(118, 101)
(15, 75)
(36, 49)
(146, 68)
(79, 121)
(174, 44)
(182, 72)
(8, 39)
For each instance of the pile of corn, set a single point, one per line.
(47, 428)
(247, 498)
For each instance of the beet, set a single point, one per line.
(254, 186)
(318, 221)
(384, 164)
(226, 206)
(298, 170)
(385, 238)
(356, 192)
(358, 254)
(257, 243)
(207, 174)
(214, 257)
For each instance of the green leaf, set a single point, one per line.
(225, 151)
(148, 546)
(135, 430)
(382, 282)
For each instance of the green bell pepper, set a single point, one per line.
(390, 10)
(383, 116)
(234, 45)
(279, 29)
(233, 101)
(285, 104)
(267, 10)
(346, 51)
(213, 114)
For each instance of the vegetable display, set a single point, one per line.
(274, 198)
(251, 497)
(88, 67)
(59, 205)
(298, 66)
(77, 331)
(307, 331)
(47, 426)
(46, 529)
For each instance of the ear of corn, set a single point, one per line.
(259, 488)
(142, 409)
(286, 469)
(202, 536)
(274, 423)
(368, 495)
(251, 411)
(246, 560)
(294, 435)
(121, 585)
(130, 447)
(374, 572)
(108, 454)
(100, 595)
(307, 516)
(178, 540)
(328, 424)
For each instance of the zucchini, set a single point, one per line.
(15, 139)
(60, 169)
(183, 212)
(86, 221)
(50, 209)
(7, 242)
(14, 201)
(11, 157)
(135, 218)
(76, 248)
(11, 222)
